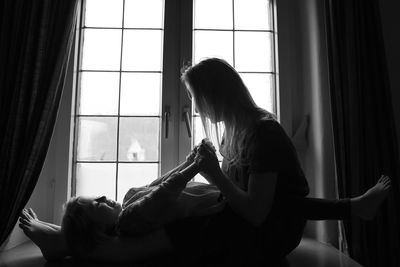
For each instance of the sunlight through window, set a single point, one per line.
(118, 110)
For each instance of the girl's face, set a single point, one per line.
(103, 210)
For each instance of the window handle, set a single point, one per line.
(167, 115)
(186, 118)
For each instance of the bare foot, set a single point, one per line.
(48, 239)
(367, 205)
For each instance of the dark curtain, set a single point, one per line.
(363, 122)
(35, 43)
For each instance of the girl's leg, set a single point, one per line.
(164, 177)
(158, 207)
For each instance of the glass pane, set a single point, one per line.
(142, 50)
(99, 93)
(135, 175)
(213, 44)
(140, 93)
(211, 14)
(103, 13)
(253, 51)
(143, 14)
(101, 49)
(97, 139)
(261, 87)
(253, 15)
(139, 139)
(95, 179)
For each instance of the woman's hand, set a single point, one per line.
(208, 163)
(205, 142)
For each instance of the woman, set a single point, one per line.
(261, 181)
(261, 178)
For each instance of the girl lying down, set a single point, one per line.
(89, 222)
(104, 230)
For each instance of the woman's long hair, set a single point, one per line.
(225, 106)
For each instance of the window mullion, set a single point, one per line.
(119, 99)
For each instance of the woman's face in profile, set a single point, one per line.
(189, 92)
(208, 113)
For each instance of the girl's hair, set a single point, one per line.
(219, 93)
(81, 233)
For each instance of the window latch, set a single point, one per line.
(186, 119)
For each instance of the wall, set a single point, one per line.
(304, 90)
(304, 87)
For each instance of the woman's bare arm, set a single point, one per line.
(253, 205)
(189, 160)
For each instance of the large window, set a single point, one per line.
(131, 112)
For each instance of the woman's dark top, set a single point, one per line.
(270, 150)
(227, 237)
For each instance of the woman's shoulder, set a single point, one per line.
(267, 124)
(269, 132)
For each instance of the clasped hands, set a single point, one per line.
(204, 155)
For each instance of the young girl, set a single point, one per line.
(88, 221)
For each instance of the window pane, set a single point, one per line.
(97, 138)
(139, 139)
(135, 175)
(143, 14)
(140, 93)
(142, 50)
(213, 44)
(261, 87)
(95, 179)
(99, 93)
(253, 15)
(101, 49)
(103, 13)
(211, 14)
(253, 51)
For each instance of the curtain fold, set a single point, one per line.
(363, 124)
(35, 43)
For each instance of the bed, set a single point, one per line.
(310, 253)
